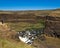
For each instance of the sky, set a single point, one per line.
(29, 4)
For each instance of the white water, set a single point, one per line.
(24, 39)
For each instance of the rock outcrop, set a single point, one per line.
(52, 26)
(17, 18)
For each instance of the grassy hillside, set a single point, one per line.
(12, 44)
(24, 25)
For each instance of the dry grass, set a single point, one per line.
(52, 42)
(12, 44)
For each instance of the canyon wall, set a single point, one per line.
(52, 23)
(17, 18)
(52, 26)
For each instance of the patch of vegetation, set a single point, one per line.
(12, 44)
(24, 25)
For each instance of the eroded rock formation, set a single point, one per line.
(52, 26)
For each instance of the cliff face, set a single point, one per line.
(52, 26)
(17, 18)
(52, 21)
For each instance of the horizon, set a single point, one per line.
(19, 5)
(27, 10)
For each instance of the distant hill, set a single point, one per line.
(57, 9)
(52, 12)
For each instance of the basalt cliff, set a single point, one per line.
(51, 19)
